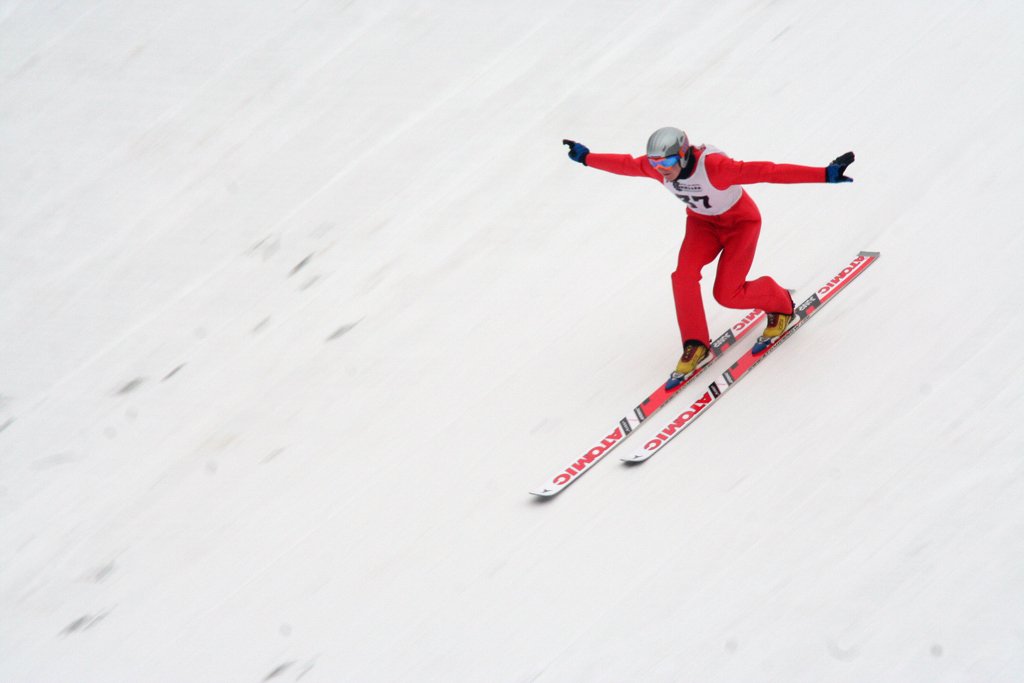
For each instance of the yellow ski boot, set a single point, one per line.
(694, 353)
(777, 324)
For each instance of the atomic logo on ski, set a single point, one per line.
(593, 454)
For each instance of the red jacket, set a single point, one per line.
(722, 171)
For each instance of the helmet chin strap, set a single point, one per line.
(686, 164)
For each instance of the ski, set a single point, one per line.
(648, 407)
(749, 360)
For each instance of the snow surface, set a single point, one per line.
(299, 299)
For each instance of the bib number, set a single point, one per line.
(695, 202)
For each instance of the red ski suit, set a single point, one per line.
(733, 234)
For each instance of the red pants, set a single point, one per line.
(734, 236)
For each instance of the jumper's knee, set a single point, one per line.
(686, 275)
(727, 295)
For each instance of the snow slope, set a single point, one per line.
(299, 299)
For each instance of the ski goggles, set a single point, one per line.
(664, 162)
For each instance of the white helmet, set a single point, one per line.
(666, 142)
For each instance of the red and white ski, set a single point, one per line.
(746, 363)
(650, 405)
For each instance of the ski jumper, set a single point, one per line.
(721, 218)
